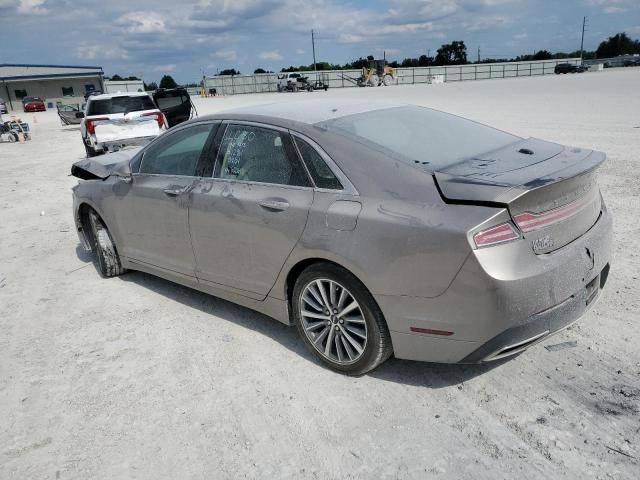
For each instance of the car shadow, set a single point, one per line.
(429, 375)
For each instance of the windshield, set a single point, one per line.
(120, 105)
(419, 135)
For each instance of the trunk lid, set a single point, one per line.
(550, 190)
(119, 127)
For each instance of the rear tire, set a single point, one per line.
(90, 151)
(353, 343)
(109, 263)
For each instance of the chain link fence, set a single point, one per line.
(268, 82)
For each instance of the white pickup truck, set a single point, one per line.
(116, 120)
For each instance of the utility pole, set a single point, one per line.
(584, 23)
(313, 47)
(478, 53)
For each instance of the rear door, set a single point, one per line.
(246, 220)
(153, 211)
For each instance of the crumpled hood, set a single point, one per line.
(99, 168)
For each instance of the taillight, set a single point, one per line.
(529, 221)
(90, 124)
(505, 232)
(159, 117)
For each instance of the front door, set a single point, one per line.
(154, 213)
(246, 220)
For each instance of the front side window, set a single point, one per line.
(177, 153)
(258, 155)
(322, 175)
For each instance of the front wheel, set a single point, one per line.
(109, 263)
(339, 321)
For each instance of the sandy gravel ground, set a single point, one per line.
(135, 377)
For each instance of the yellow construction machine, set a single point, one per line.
(378, 73)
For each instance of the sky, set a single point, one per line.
(189, 38)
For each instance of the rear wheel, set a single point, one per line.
(339, 321)
(90, 151)
(108, 259)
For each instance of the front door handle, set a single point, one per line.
(173, 192)
(276, 205)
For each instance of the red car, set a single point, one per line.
(33, 104)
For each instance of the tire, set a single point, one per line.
(109, 263)
(90, 151)
(387, 80)
(352, 344)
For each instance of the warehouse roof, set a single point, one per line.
(13, 71)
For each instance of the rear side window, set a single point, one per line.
(256, 154)
(319, 170)
(177, 153)
(122, 104)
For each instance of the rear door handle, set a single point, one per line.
(275, 205)
(173, 192)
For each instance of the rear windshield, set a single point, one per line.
(120, 105)
(422, 136)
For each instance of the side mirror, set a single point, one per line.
(79, 114)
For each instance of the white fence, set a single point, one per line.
(268, 82)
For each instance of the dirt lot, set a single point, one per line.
(135, 377)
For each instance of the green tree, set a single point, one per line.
(116, 78)
(259, 70)
(229, 71)
(167, 81)
(542, 55)
(619, 44)
(454, 53)
(150, 87)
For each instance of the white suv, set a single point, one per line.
(115, 120)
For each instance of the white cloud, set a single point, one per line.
(349, 38)
(142, 22)
(91, 52)
(300, 51)
(228, 55)
(272, 55)
(170, 67)
(613, 9)
(520, 36)
(31, 7)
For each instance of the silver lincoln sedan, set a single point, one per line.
(375, 229)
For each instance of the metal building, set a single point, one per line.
(52, 83)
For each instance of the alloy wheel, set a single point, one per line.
(333, 321)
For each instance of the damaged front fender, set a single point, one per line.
(99, 168)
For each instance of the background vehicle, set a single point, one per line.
(33, 104)
(292, 82)
(568, 68)
(116, 120)
(378, 73)
(175, 104)
(334, 217)
(3, 106)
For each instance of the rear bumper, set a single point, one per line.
(503, 300)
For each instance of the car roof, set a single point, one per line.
(107, 96)
(311, 111)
